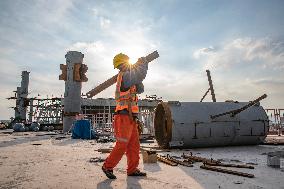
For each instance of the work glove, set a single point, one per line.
(139, 125)
(140, 61)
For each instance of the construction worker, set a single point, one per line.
(129, 84)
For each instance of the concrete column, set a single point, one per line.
(72, 95)
(31, 110)
(24, 95)
(17, 113)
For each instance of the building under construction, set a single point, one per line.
(175, 124)
(50, 111)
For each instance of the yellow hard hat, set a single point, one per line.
(120, 59)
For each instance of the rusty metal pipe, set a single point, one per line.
(207, 167)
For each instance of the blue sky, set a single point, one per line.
(241, 42)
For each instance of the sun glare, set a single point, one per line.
(134, 55)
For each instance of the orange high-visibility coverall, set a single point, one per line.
(125, 130)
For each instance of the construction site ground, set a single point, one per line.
(52, 160)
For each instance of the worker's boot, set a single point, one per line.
(109, 173)
(138, 173)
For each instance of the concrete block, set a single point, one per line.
(275, 159)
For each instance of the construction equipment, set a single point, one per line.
(208, 167)
(112, 80)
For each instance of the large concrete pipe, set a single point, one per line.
(190, 124)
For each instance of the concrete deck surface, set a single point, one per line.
(44, 160)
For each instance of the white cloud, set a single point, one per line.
(245, 68)
(264, 51)
(54, 12)
(104, 22)
(203, 51)
(87, 47)
(95, 12)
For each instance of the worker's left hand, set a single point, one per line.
(139, 126)
(142, 60)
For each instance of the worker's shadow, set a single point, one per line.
(152, 167)
(105, 184)
(133, 182)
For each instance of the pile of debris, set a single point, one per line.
(208, 164)
(188, 160)
(2, 126)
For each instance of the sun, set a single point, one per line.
(133, 58)
(134, 55)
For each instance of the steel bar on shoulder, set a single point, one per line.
(112, 80)
(237, 111)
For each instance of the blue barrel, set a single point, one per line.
(82, 129)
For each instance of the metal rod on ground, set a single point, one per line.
(211, 86)
(237, 111)
(199, 159)
(112, 80)
(184, 163)
(166, 161)
(207, 167)
(229, 165)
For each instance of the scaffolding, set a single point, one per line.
(276, 120)
(101, 111)
(45, 110)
